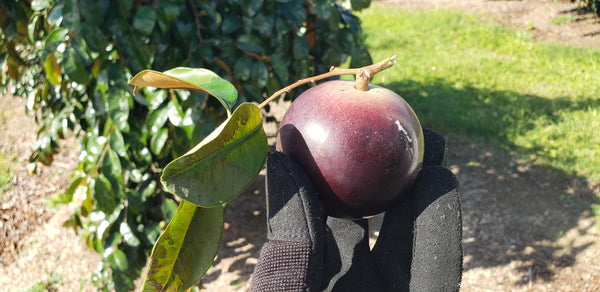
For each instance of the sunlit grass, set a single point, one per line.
(469, 76)
(564, 19)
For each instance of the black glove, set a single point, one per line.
(418, 248)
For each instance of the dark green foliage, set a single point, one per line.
(72, 60)
(590, 5)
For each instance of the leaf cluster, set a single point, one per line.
(590, 5)
(72, 60)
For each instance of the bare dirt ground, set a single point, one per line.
(34, 247)
(537, 16)
(526, 228)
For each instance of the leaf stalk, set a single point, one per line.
(363, 76)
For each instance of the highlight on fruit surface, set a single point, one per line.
(362, 149)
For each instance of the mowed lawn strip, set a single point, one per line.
(465, 75)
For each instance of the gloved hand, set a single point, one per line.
(418, 247)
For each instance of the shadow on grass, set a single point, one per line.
(532, 217)
(496, 115)
(515, 211)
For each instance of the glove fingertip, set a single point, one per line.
(435, 148)
(282, 166)
(293, 210)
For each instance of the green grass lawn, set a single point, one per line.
(475, 78)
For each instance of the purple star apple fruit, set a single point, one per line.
(362, 150)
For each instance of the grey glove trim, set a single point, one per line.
(284, 267)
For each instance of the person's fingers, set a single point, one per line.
(293, 257)
(419, 244)
(437, 253)
(435, 148)
(394, 247)
(392, 252)
(293, 210)
(348, 266)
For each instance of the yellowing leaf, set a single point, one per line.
(186, 249)
(197, 79)
(52, 69)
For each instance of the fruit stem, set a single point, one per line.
(366, 73)
(363, 76)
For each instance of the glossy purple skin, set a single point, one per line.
(362, 150)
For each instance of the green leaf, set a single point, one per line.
(152, 231)
(250, 43)
(38, 5)
(324, 9)
(74, 67)
(223, 164)
(171, 11)
(118, 109)
(76, 184)
(175, 113)
(186, 249)
(148, 188)
(31, 27)
(230, 24)
(251, 7)
(263, 24)
(71, 18)
(103, 194)
(157, 119)
(159, 140)
(301, 48)
(144, 20)
(261, 74)
(292, 11)
(156, 98)
(243, 68)
(117, 143)
(359, 5)
(118, 260)
(55, 37)
(94, 37)
(169, 208)
(128, 234)
(92, 13)
(280, 67)
(360, 57)
(197, 79)
(112, 170)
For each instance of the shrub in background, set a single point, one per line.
(72, 59)
(590, 5)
